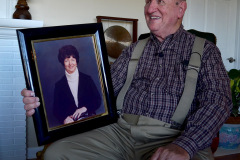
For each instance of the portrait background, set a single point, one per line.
(51, 70)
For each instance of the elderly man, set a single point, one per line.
(146, 129)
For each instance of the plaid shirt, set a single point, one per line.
(158, 84)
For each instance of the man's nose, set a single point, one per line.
(152, 6)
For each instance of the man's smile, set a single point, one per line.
(154, 17)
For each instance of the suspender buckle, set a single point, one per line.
(175, 125)
(120, 112)
(196, 68)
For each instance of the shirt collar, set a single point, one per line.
(73, 76)
(169, 40)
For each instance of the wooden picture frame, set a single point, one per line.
(134, 23)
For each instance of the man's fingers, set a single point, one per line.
(30, 100)
(28, 107)
(30, 112)
(170, 152)
(27, 93)
(156, 155)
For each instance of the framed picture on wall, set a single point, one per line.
(67, 68)
(119, 34)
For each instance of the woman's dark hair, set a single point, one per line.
(66, 52)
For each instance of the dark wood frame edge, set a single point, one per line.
(134, 21)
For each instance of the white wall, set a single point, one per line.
(7, 7)
(64, 12)
(220, 17)
(12, 113)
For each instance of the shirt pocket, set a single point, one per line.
(176, 81)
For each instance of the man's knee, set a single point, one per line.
(205, 154)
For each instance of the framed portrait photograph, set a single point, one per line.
(67, 67)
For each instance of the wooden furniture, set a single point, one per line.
(229, 157)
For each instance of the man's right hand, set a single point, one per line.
(30, 101)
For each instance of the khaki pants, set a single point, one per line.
(131, 138)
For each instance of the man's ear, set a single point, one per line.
(182, 8)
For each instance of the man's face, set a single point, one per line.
(162, 16)
(70, 64)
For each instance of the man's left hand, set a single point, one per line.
(170, 152)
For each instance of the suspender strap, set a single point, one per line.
(131, 69)
(190, 82)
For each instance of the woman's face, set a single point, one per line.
(70, 64)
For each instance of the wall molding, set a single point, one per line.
(20, 23)
(7, 8)
(10, 5)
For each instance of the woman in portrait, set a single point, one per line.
(75, 94)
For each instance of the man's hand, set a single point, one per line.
(79, 112)
(30, 101)
(170, 152)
